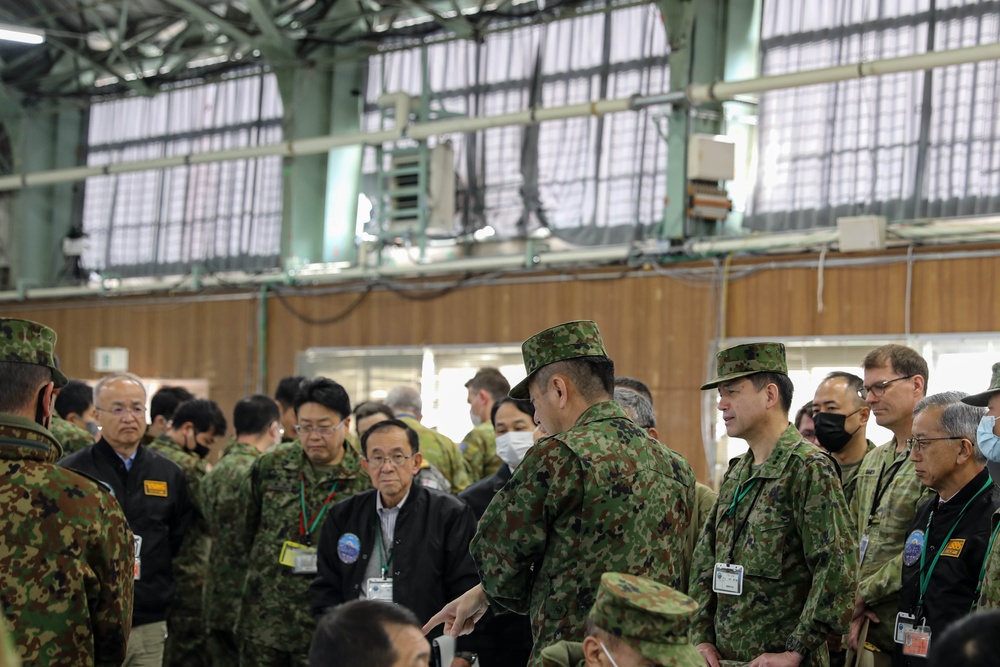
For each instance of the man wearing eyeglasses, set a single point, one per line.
(886, 497)
(947, 540)
(153, 493)
(289, 491)
(400, 542)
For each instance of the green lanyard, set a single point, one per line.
(738, 529)
(740, 494)
(383, 563)
(982, 570)
(307, 527)
(925, 577)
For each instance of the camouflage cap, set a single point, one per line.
(648, 616)
(983, 399)
(742, 360)
(26, 342)
(570, 340)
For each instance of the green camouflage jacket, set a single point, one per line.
(880, 574)
(990, 598)
(275, 607)
(849, 476)
(66, 555)
(442, 453)
(479, 447)
(797, 549)
(191, 563)
(70, 436)
(225, 508)
(601, 496)
(704, 505)
(563, 654)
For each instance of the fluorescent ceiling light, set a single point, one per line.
(13, 33)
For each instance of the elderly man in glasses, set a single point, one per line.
(400, 542)
(153, 493)
(947, 542)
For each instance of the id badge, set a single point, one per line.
(728, 579)
(917, 642)
(305, 562)
(863, 549)
(137, 570)
(904, 623)
(379, 589)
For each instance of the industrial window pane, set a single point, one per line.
(223, 215)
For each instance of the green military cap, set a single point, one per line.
(570, 340)
(983, 399)
(26, 342)
(742, 360)
(648, 616)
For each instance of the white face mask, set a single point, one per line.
(476, 419)
(513, 445)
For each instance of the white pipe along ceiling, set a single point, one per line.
(694, 94)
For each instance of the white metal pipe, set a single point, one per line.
(762, 242)
(725, 90)
(696, 93)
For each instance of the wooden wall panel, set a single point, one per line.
(656, 328)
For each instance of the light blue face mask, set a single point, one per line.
(989, 442)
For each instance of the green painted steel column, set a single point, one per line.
(320, 191)
(43, 139)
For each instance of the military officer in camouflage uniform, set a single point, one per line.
(79, 429)
(436, 447)
(773, 572)
(258, 428)
(990, 598)
(479, 446)
(598, 494)
(887, 494)
(634, 621)
(67, 557)
(288, 492)
(190, 436)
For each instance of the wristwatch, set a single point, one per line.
(793, 645)
(472, 658)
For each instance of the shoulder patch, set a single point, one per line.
(953, 549)
(348, 548)
(912, 548)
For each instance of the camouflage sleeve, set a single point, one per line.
(474, 452)
(181, 517)
(514, 531)
(886, 581)
(831, 553)
(461, 476)
(250, 490)
(700, 583)
(111, 555)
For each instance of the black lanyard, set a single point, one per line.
(880, 490)
(739, 495)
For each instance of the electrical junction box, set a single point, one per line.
(711, 157)
(109, 359)
(860, 233)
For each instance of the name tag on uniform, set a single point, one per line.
(154, 488)
(138, 561)
(917, 642)
(904, 623)
(299, 557)
(379, 589)
(728, 579)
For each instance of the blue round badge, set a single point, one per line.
(348, 548)
(914, 545)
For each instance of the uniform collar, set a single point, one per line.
(600, 412)
(776, 463)
(348, 468)
(25, 438)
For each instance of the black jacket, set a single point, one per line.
(159, 513)
(481, 493)
(953, 581)
(431, 563)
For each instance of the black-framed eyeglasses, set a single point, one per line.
(397, 460)
(917, 444)
(878, 389)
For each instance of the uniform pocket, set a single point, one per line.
(765, 548)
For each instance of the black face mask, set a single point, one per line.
(201, 450)
(40, 410)
(830, 430)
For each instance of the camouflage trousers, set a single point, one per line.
(253, 654)
(187, 641)
(223, 648)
